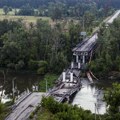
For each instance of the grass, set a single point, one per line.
(5, 110)
(44, 115)
(50, 78)
(28, 19)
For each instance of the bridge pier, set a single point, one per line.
(79, 65)
(72, 65)
(71, 76)
(83, 59)
(64, 76)
(77, 58)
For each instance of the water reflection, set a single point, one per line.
(89, 96)
(22, 82)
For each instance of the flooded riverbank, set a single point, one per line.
(90, 97)
(22, 82)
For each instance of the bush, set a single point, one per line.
(63, 111)
(33, 65)
(42, 67)
(31, 116)
(26, 10)
(11, 65)
(50, 78)
(19, 65)
(41, 71)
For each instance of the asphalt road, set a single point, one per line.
(87, 45)
(113, 17)
(25, 108)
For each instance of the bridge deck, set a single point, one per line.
(24, 109)
(66, 91)
(113, 17)
(86, 45)
(67, 88)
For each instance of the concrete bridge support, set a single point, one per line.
(79, 65)
(77, 58)
(64, 76)
(83, 59)
(71, 76)
(72, 65)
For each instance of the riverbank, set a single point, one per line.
(53, 110)
(5, 110)
(112, 76)
(47, 82)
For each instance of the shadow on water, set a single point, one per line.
(22, 82)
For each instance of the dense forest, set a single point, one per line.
(61, 8)
(37, 3)
(41, 47)
(107, 59)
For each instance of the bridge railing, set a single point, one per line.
(21, 98)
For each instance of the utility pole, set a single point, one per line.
(13, 88)
(95, 111)
(83, 23)
(46, 85)
(83, 33)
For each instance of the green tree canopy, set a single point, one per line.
(6, 9)
(112, 98)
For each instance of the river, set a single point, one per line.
(90, 97)
(22, 81)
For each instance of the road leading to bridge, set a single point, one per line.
(24, 109)
(113, 17)
(88, 44)
(82, 52)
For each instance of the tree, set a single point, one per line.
(112, 98)
(26, 10)
(2, 111)
(10, 8)
(6, 9)
(56, 10)
(63, 111)
(108, 52)
(88, 19)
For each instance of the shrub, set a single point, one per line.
(19, 65)
(42, 67)
(33, 65)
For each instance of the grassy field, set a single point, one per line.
(28, 19)
(50, 78)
